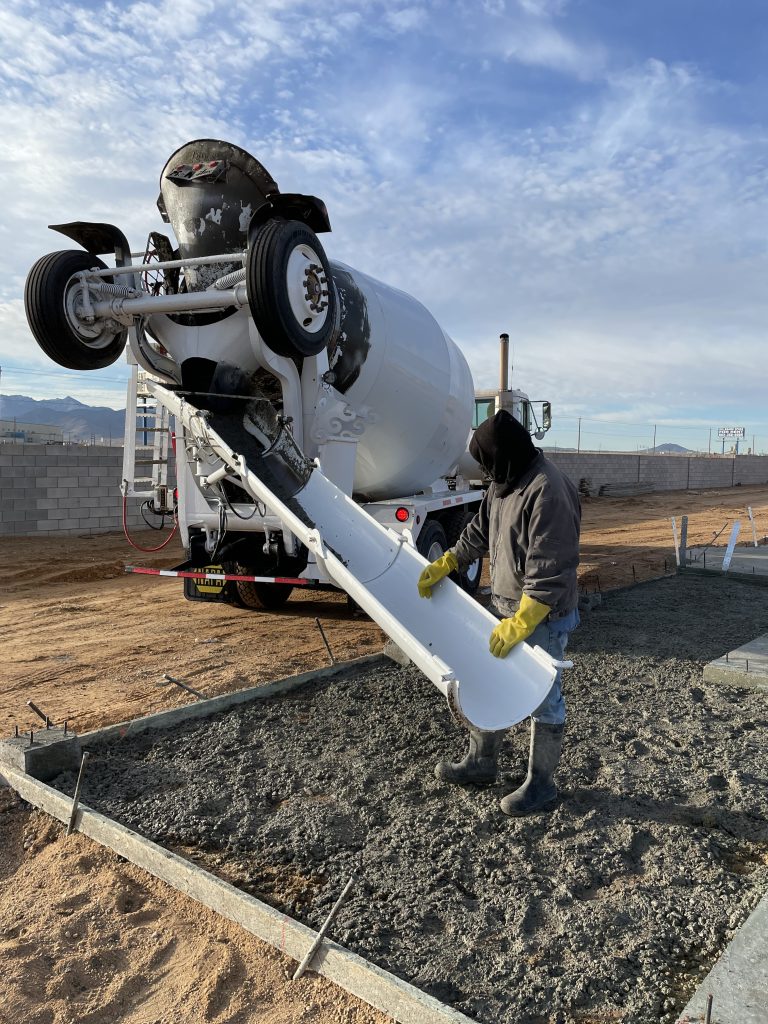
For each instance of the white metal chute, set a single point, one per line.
(446, 636)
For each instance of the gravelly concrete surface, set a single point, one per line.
(609, 909)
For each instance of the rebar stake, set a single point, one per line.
(325, 641)
(321, 934)
(40, 714)
(76, 797)
(708, 1017)
(189, 689)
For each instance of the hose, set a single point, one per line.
(138, 547)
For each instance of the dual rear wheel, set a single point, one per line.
(435, 539)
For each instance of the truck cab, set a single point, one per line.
(536, 416)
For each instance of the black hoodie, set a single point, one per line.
(504, 449)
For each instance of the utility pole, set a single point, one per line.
(653, 446)
(578, 440)
(709, 445)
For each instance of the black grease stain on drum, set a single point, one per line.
(354, 337)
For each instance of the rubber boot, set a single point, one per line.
(538, 792)
(480, 764)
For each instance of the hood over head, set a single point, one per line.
(504, 449)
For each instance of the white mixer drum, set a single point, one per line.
(394, 362)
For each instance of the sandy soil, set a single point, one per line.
(88, 643)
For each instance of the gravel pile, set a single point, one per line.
(612, 908)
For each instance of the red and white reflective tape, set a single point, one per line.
(218, 577)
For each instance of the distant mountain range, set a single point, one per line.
(81, 422)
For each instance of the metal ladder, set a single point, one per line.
(147, 442)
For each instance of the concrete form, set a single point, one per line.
(739, 979)
(43, 754)
(738, 982)
(746, 666)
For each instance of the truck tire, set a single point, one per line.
(291, 293)
(432, 542)
(469, 578)
(261, 597)
(50, 295)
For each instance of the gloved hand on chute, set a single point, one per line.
(519, 627)
(436, 571)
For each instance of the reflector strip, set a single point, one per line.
(190, 575)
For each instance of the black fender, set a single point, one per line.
(291, 206)
(97, 239)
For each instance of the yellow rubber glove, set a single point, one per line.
(436, 571)
(511, 631)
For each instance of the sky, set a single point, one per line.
(586, 175)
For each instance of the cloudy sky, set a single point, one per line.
(590, 176)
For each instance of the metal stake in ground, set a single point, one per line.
(708, 1018)
(39, 713)
(321, 934)
(325, 641)
(177, 682)
(76, 797)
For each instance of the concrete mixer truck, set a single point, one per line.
(246, 304)
(321, 417)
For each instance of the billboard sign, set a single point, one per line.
(734, 433)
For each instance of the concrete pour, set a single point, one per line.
(746, 666)
(610, 909)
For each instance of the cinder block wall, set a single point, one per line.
(663, 472)
(62, 489)
(67, 489)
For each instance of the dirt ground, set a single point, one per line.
(89, 643)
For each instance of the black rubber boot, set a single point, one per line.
(481, 763)
(538, 792)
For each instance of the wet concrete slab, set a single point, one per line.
(745, 666)
(752, 561)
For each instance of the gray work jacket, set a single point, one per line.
(532, 538)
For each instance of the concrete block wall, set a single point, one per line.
(58, 489)
(67, 489)
(663, 472)
(750, 469)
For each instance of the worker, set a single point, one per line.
(529, 523)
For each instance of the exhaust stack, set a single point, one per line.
(504, 362)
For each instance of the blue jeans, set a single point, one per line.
(553, 638)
